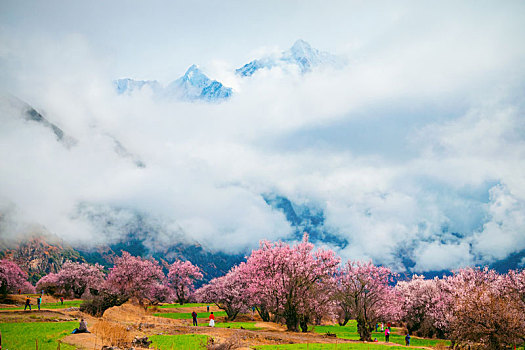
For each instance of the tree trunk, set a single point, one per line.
(181, 296)
(344, 320)
(290, 315)
(363, 330)
(303, 323)
(493, 343)
(344, 314)
(231, 313)
(291, 323)
(318, 320)
(265, 315)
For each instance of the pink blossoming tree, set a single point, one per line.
(364, 294)
(73, 280)
(182, 276)
(135, 277)
(485, 308)
(288, 279)
(228, 292)
(12, 278)
(422, 303)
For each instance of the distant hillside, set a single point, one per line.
(212, 264)
(39, 257)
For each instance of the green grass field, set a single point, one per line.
(233, 325)
(67, 304)
(23, 336)
(187, 315)
(350, 332)
(315, 346)
(176, 306)
(186, 341)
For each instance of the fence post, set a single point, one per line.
(36, 343)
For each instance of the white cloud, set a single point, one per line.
(503, 233)
(415, 148)
(436, 256)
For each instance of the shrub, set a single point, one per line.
(100, 303)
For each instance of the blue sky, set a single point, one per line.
(417, 145)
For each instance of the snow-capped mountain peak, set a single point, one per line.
(193, 85)
(194, 76)
(301, 49)
(301, 54)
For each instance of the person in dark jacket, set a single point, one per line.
(194, 316)
(28, 303)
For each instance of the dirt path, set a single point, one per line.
(34, 316)
(84, 341)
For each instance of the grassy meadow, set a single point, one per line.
(185, 341)
(24, 336)
(176, 306)
(350, 332)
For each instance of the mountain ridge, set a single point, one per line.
(301, 55)
(194, 85)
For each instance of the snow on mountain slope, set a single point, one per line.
(193, 85)
(301, 54)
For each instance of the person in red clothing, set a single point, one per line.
(212, 319)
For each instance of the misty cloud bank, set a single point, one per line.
(414, 151)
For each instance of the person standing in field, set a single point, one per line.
(38, 302)
(387, 334)
(194, 316)
(407, 339)
(207, 308)
(212, 320)
(28, 303)
(62, 300)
